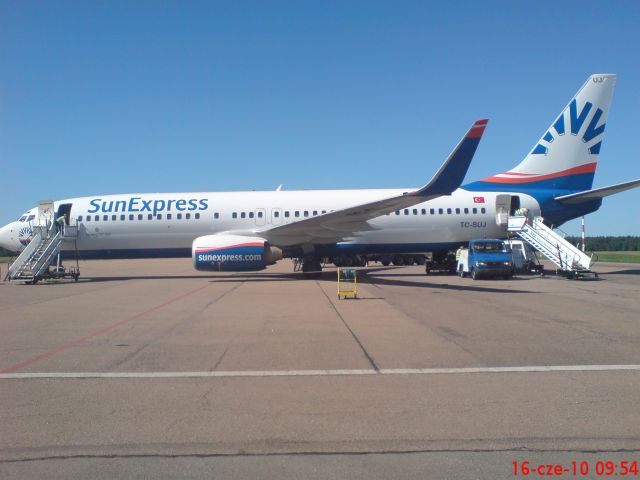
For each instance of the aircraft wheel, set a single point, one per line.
(398, 261)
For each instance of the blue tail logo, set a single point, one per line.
(576, 120)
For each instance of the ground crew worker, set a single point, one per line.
(519, 212)
(459, 253)
(60, 222)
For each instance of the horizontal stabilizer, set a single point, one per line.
(596, 193)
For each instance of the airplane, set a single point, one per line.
(247, 231)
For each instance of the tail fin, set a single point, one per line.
(565, 157)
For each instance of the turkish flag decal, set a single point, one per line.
(478, 199)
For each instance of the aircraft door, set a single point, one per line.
(45, 212)
(503, 206)
(276, 216)
(260, 217)
(64, 209)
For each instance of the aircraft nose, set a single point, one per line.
(7, 239)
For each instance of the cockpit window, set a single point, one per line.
(31, 217)
(22, 218)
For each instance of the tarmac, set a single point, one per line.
(149, 369)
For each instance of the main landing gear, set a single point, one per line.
(312, 267)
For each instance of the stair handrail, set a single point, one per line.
(571, 246)
(48, 253)
(24, 256)
(568, 256)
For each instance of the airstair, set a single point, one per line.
(34, 261)
(570, 260)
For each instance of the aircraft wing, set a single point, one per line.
(596, 193)
(336, 225)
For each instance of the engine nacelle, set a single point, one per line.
(233, 253)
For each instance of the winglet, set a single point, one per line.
(452, 172)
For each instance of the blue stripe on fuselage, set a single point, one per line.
(544, 191)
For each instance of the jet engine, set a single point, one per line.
(233, 253)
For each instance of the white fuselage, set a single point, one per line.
(165, 224)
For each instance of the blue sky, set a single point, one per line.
(115, 96)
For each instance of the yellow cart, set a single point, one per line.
(347, 283)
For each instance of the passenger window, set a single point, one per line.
(323, 212)
(250, 214)
(88, 218)
(242, 215)
(197, 215)
(466, 210)
(397, 212)
(315, 212)
(96, 218)
(276, 214)
(259, 214)
(114, 218)
(406, 211)
(150, 216)
(139, 216)
(475, 211)
(306, 213)
(415, 211)
(159, 216)
(179, 216)
(286, 214)
(424, 211)
(122, 217)
(297, 213)
(233, 215)
(216, 215)
(79, 218)
(448, 211)
(168, 216)
(457, 211)
(131, 216)
(432, 211)
(440, 211)
(187, 216)
(483, 210)
(105, 218)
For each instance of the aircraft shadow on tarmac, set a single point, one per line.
(249, 277)
(631, 271)
(396, 279)
(373, 276)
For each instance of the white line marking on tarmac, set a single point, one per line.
(324, 373)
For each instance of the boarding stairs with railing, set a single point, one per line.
(34, 260)
(570, 260)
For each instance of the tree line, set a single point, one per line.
(609, 244)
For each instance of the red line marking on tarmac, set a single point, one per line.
(77, 341)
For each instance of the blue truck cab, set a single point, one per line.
(485, 258)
